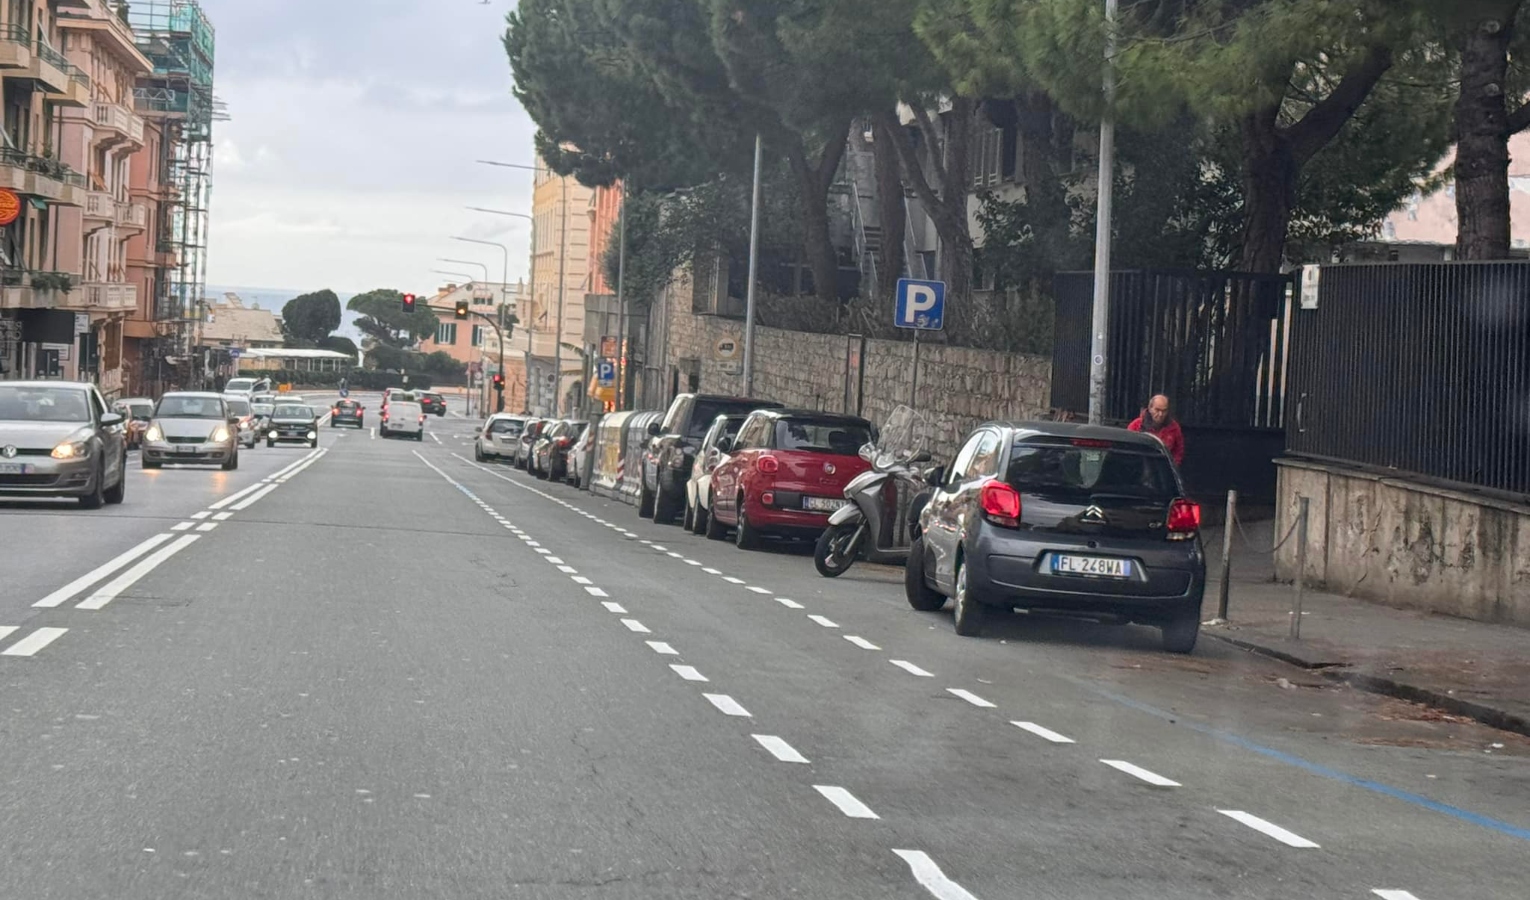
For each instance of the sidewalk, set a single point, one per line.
(1465, 667)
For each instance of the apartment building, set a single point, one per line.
(561, 269)
(474, 341)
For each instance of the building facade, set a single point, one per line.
(561, 269)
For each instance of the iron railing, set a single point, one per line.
(1418, 369)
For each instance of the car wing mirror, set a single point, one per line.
(233, 420)
(110, 419)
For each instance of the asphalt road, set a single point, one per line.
(380, 670)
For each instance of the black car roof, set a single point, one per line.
(1024, 430)
(724, 398)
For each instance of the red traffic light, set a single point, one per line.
(408, 303)
(499, 381)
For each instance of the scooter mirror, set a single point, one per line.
(868, 452)
(921, 456)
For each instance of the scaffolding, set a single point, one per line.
(178, 39)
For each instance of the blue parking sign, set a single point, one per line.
(605, 373)
(921, 304)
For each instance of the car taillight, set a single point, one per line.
(769, 465)
(422, 417)
(1001, 504)
(1184, 519)
(564, 442)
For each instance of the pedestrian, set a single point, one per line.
(1155, 420)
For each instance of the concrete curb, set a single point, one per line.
(1337, 671)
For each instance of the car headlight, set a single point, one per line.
(312, 435)
(220, 434)
(71, 450)
(154, 434)
(273, 432)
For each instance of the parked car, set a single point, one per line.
(579, 458)
(786, 473)
(529, 436)
(1078, 519)
(135, 412)
(552, 448)
(672, 450)
(709, 455)
(293, 423)
(539, 448)
(433, 403)
(347, 412)
(191, 427)
(239, 405)
(59, 439)
(499, 437)
(405, 418)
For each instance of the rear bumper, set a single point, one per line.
(347, 420)
(779, 520)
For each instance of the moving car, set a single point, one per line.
(786, 473)
(58, 439)
(403, 417)
(136, 412)
(672, 450)
(261, 410)
(709, 455)
(239, 405)
(392, 394)
(499, 437)
(247, 386)
(348, 412)
(1058, 517)
(293, 423)
(433, 403)
(192, 427)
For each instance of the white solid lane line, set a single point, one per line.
(789, 604)
(34, 642)
(127, 579)
(824, 621)
(662, 647)
(1389, 894)
(1152, 778)
(931, 878)
(727, 705)
(846, 801)
(59, 596)
(5, 631)
(635, 625)
(435, 437)
(689, 673)
(613, 606)
(254, 498)
(1290, 839)
(911, 669)
(779, 749)
(970, 697)
(861, 642)
(1041, 732)
(596, 592)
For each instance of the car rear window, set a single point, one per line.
(819, 436)
(237, 406)
(1077, 474)
(707, 411)
(507, 426)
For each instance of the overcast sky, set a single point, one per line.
(350, 155)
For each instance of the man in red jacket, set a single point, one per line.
(1155, 420)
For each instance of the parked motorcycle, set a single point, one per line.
(876, 525)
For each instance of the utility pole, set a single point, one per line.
(754, 259)
(562, 274)
(621, 300)
(1099, 346)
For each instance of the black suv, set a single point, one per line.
(672, 449)
(432, 403)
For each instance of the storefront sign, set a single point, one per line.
(10, 206)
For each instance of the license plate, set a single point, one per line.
(185, 448)
(1099, 566)
(823, 504)
(15, 469)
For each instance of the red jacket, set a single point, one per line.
(1173, 439)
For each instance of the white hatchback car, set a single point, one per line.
(499, 438)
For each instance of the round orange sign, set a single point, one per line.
(10, 206)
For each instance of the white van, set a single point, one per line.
(403, 417)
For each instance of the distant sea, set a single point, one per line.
(275, 298)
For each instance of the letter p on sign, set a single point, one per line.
(920, 304)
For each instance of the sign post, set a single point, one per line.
(921, 306)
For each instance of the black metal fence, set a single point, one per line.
(1213, 342)
(1422, 369)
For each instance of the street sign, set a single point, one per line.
(920, 304)
(727, 349)
(605, 373)
(608, 346)
(1312, 279)
(235, 352)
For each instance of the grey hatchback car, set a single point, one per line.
(58, 439)
(1076, 519)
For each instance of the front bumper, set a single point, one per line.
(44, 476)
(206, 452)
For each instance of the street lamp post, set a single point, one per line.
(499, 405)
(1099, 345)
(468, 262)
(531, 315)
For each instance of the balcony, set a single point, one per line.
(100, 206)
(60, 79)
(15, 48)
(131, 216)
(103, 296)
(23, 289)
(116, 119)
(40, 176)
(106, 26)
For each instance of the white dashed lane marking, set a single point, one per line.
(1135, 771)
(759, 590)
(182, 526)
(727, 705)
(662, 647)
(846, 801)
(931, 878)
(636, 626)
(711, 571)
(596, 592)
(970, 697)
(910, 668)
(1041, 732)
(201, 515)
(1290, 839)
(789, 604)
(689, 673)
(861, 642)
(731, 580)
(1390, 894)
(824, 621)
(780, 749)
(614, 607)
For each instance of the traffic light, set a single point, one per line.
(462, 309)
(408, 304)
(499, 382)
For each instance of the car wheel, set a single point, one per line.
(714, 529)
(313, 443)
(703, 518)
(918, 591)
(149, 464)
(831, 554)
(745, 537)
(478, 453)
(233, 462)
(1180, 632)
(117, 492)
(969, 613)
(688, 518)
(270, 443)
(665, 505)
(97, 496)
(645, 503)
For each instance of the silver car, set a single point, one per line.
(58, 439)
(192, 427)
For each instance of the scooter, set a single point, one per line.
(885, 501)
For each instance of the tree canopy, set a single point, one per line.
(384, 321)
(310, 318)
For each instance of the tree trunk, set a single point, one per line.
(814, 181)
(892, 215)
(1482, 130)
(1269, 191)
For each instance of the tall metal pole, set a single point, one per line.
(621, 299)
(1099, 347)
(531, 316)
(754, 261)
(562, 273)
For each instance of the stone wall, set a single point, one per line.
(1407, 544)
(958, 387)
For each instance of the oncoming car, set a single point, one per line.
(292, 423)
(191, 427)
(57, 439)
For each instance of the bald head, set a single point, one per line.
(1158, 410)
